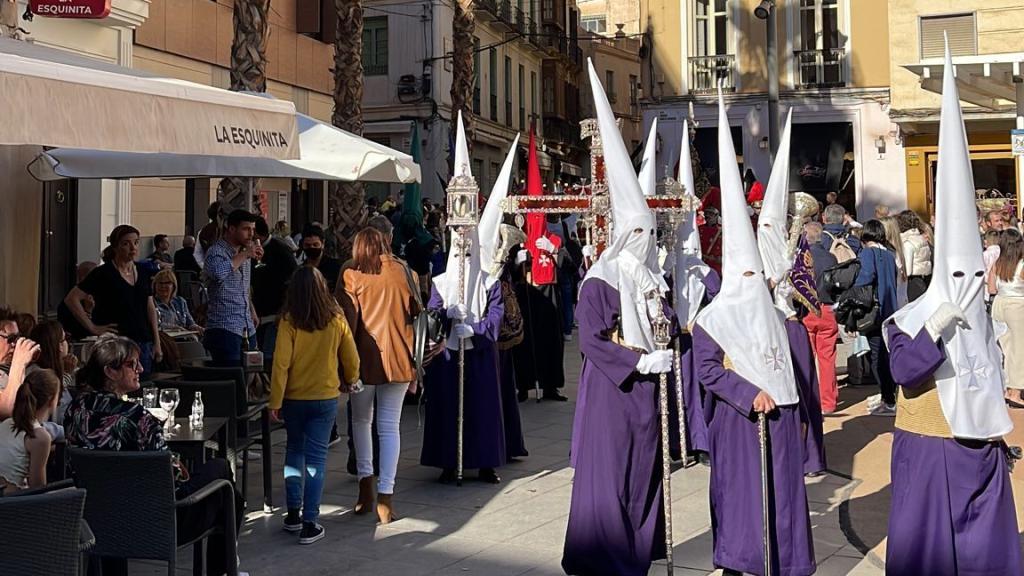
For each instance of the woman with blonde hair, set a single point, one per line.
(172, 310)
(892, 236)
(314, 345)
(1007, 282)
(380, 304)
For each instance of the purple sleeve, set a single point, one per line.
(490, 324)
(709, 359)
(436, 303)
(712, 284)
(596, 313)
(912, 361)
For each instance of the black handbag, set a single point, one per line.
(428, 329)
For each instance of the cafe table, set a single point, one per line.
(191, 443)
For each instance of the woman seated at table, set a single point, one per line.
(24, 442)
(98, 419)
(55, 354)
(171, 309)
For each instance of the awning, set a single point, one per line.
(56, 98)
(327, 153)
(986, 80)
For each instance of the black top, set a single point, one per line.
(161, 257)
(185, 260)
(118, 302)
(331, 269)
(823, 260)
(271, 276)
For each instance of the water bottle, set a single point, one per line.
(196, 419)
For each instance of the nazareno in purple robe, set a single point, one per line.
(515, 444)
(806, 373)
(952, 503)
(616, 518)
(735, 491)
(483, 430)
(693, 392)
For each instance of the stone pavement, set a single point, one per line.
(518, 527)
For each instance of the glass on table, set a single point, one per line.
(149, 397)
(169, 398)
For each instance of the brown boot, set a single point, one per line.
(385, 512)
(367, 489)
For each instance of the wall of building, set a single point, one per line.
(620, 56)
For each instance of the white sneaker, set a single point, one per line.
(874, 401)
(884, 409)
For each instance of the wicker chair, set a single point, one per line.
(133, 511)
(42, 533)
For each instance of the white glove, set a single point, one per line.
(522, 256)
(462, 331)
(657, 362)
(546, 245)
(590, 251)
(945, 320)
(458, 312)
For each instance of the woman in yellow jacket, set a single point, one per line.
(314, 346)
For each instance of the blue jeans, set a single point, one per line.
(225, 347)
(268, 336)
(308, 424)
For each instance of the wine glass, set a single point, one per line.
(149, 396)
(169, 398)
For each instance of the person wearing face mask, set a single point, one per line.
(616, 516)
(313, 251)
(744, 361)
(952, 508)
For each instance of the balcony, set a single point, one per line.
(820, 68)
(707, 71)
(486, 10)
(520, 21)
(504, 21)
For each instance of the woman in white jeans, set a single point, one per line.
(380, 306)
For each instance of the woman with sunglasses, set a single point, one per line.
(98, 419)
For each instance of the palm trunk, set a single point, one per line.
(463, 78)
(249, 74)
(345, 201)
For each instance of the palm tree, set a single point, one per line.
(463, 78)
(248, 73)
(345, 200)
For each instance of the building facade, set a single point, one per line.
(833, 73)
(617, 63)
(986, 40)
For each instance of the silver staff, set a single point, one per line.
(661, 325)
(681, 409)
(762, 437)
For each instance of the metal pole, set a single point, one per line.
(762, 437)
(462, 358)
(773, 82)
(683, 448)
(661, 327)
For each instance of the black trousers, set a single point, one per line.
(916, 286)
(879, 359)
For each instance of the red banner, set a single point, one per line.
(86, 9)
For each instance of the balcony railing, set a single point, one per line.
(707, 71)
(821, 68)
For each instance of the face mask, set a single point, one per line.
(313, 253)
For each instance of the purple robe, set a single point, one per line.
(693, 392)
(735, 489)
(616, 519)
(952, 504)
(515, 444)
(483, 430)
(806, 373)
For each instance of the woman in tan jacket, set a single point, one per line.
(380, 306)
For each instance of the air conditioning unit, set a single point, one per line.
(408, 86)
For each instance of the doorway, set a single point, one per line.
(59, 244)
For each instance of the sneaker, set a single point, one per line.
(874, 401)
(311, 532)
(335, 437)
(884, 409)
(567, 337)
(293, 522)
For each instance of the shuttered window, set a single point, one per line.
(375, 46)
(963, 38)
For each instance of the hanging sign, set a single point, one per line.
(83, 9)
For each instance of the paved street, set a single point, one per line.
(517, 527)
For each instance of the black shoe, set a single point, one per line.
(311, 532)
(335, 437)
(555, 396)
(705, 459)
(293, 522)
(523, 396)
(489, 476)
(447, 476)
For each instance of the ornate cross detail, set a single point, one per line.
(972, 368)
(774, 359)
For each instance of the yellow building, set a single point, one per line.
(617, 62)
(833, 71)
(987, 43)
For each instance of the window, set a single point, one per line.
(963, 38)
(522, 98)
(378, 190)
(533, 94)
(493, 176)
(493, 67)
(595, 24)
(508, 91)
(712, 33)
(634, 93)
(478, 169)
(609, 85)
(375, 46)
(819, 25)
(476, 76)
(549, 96)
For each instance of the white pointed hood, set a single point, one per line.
(648, 168)
(482, 242)
(742, 319)
(772, 233)
(970, 381)
(623, 265)
(689, 269)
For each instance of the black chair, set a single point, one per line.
(42, 533)
(132, 507)
(248, 414)
(191, 351)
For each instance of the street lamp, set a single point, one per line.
(766, 11)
